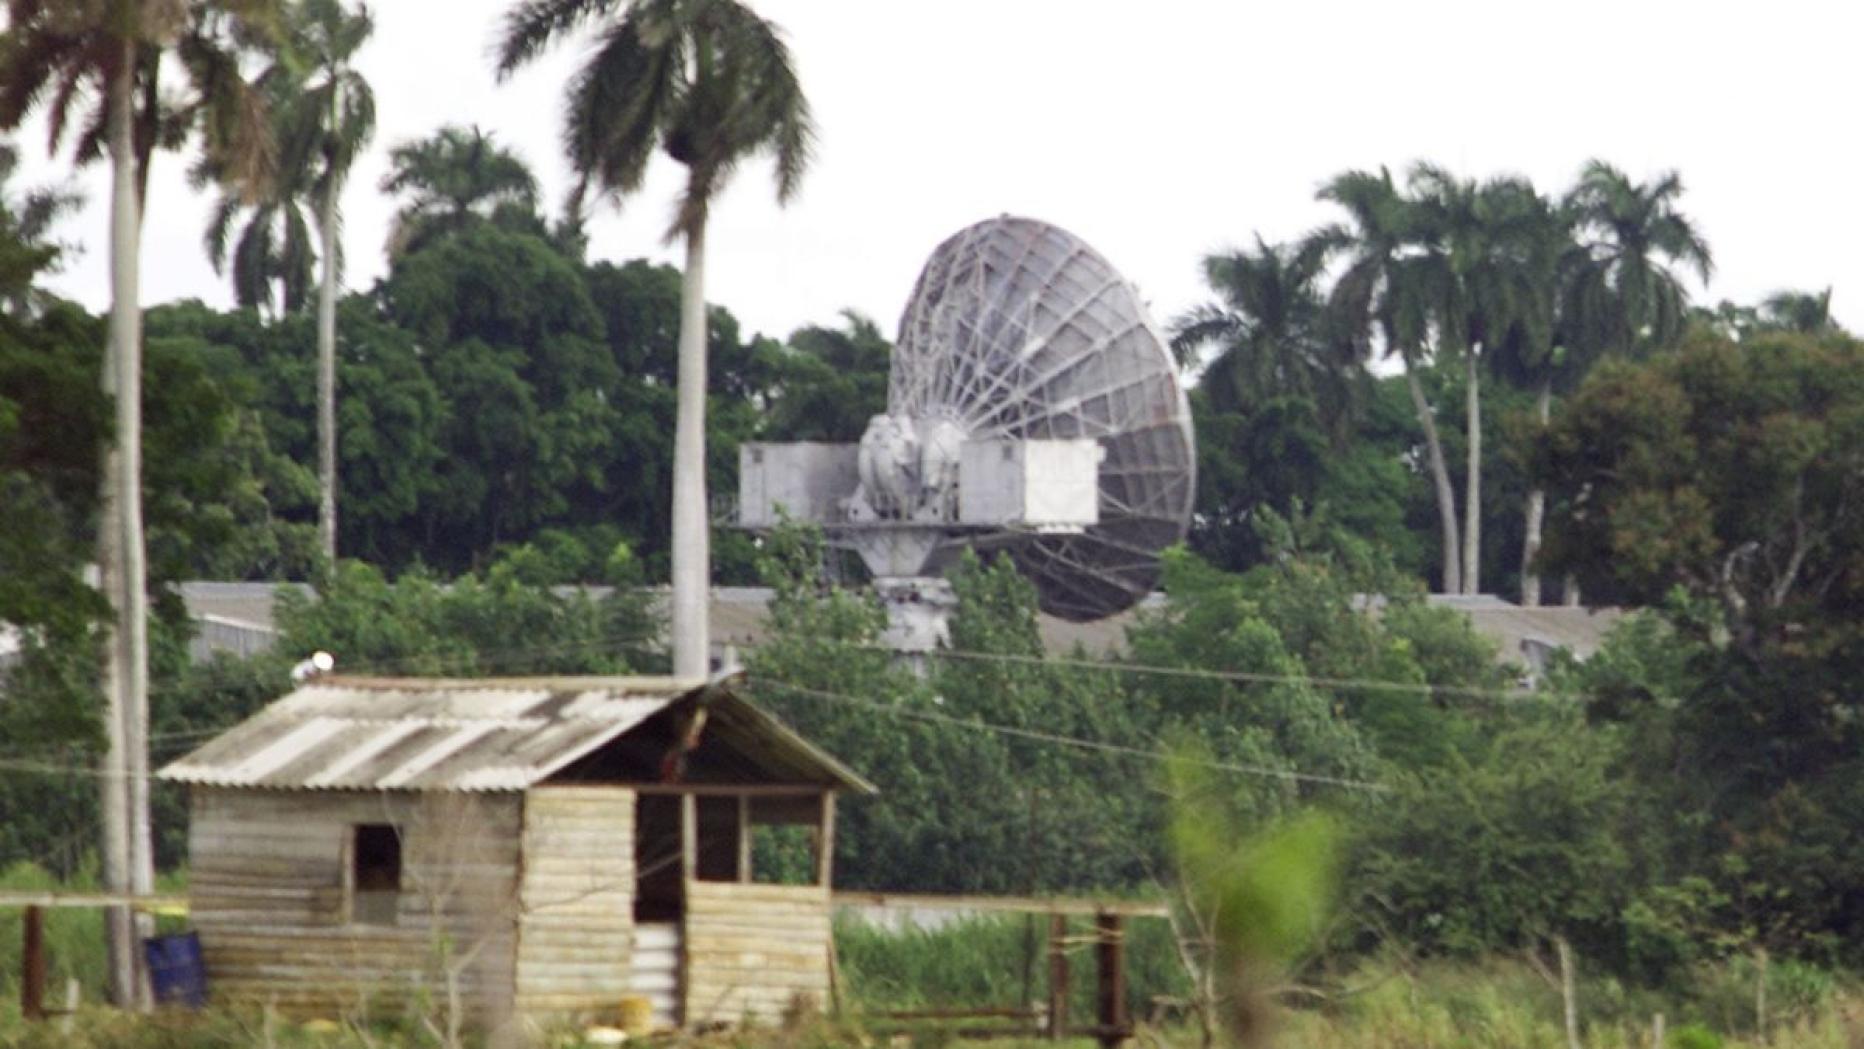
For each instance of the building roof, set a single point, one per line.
(483, 734)
(1520, 632)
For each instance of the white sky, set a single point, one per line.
(1156, 131)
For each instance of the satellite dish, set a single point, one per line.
(1018, 330)
(1032, 408)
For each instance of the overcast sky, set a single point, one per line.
(1157, 131)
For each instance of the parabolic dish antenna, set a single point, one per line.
(1033, 408)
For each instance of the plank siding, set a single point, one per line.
(267, 891)
(754, 950)
(577, 895)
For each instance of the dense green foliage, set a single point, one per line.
(1682, 801)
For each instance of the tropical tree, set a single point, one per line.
(1625, 297)
(711, 83)
(52, 421)
(829, 382)
(334, 120)
(1381, 295)
(1268, 326)
(1542, 364)
(1488, 257)
(109, 56)
(1806, 312)
(1621, 294)
(323, 115)
(26, 245)
(454, 178)
(262, 240)
(271, 260)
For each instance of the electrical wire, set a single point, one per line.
(467, 660)
(1054, 739)
(1231, 676)
(26, 765)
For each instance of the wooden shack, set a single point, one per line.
(504, 851)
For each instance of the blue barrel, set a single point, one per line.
(176, 974)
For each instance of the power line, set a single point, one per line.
(1230, 676)
(468, 659)
(1248, 677)
(1053, 739)
(58, 750)
(24, 765)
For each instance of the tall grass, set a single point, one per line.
(995, 960)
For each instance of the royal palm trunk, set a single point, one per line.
(1440, 478)
(1536, 510)
(327, 380)
(1472, 480)
(128, 860)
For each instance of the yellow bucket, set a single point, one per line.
(637, 1014)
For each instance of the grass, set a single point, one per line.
(993, 960)
(1495, 1006)
(1503, 1004)
(1499, 1003)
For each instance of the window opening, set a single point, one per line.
(786, 840)
(375, 874)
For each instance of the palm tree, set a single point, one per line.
(1487, 270)
(712, 84)
(26, 223)
(59, 56)
(1625, 297)
(1382, 294)
(456, 177)
(1542, 364)
(272, 260)
(1621, 295)
(323, 115)
(338, 121)
(1809, 313)
(1268, 325)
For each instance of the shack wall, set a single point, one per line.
(575, 933)
(269, 895)
(752, 950)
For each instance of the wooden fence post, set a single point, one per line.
(32, 966)
(1058, 977)
(1110, 958)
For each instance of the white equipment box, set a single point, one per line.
(1047, 486)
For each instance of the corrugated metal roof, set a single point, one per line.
(488, 734)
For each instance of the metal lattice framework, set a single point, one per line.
(1018, 329)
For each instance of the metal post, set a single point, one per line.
(1110, 959)
(32, 966)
